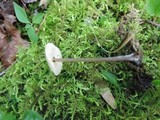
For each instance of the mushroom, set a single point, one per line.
(52, 52)
(54, 58)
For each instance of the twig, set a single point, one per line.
(4, 72)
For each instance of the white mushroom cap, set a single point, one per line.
(51, 52)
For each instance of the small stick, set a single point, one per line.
(131, 57)
(4, 72)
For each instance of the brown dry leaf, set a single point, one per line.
(10, 39)
(3, 41)
(9, 55)
(8, 17)
(7, 6)
(108, 97)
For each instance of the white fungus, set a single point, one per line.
(52, 52)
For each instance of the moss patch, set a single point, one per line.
(72, 26)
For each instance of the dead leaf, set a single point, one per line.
(10, 40)
(10, 52)
(7, 6)
(108, 97)
(3, 40)
(8, 17)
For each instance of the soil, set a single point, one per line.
(140, 80)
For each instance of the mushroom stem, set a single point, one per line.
(131, 57)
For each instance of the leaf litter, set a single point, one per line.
(10, 36)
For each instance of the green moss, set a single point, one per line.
(71, 26)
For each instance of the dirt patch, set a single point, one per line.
(140, 80)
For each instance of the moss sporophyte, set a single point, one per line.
(54, 58)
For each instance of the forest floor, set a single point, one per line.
(117, 90)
